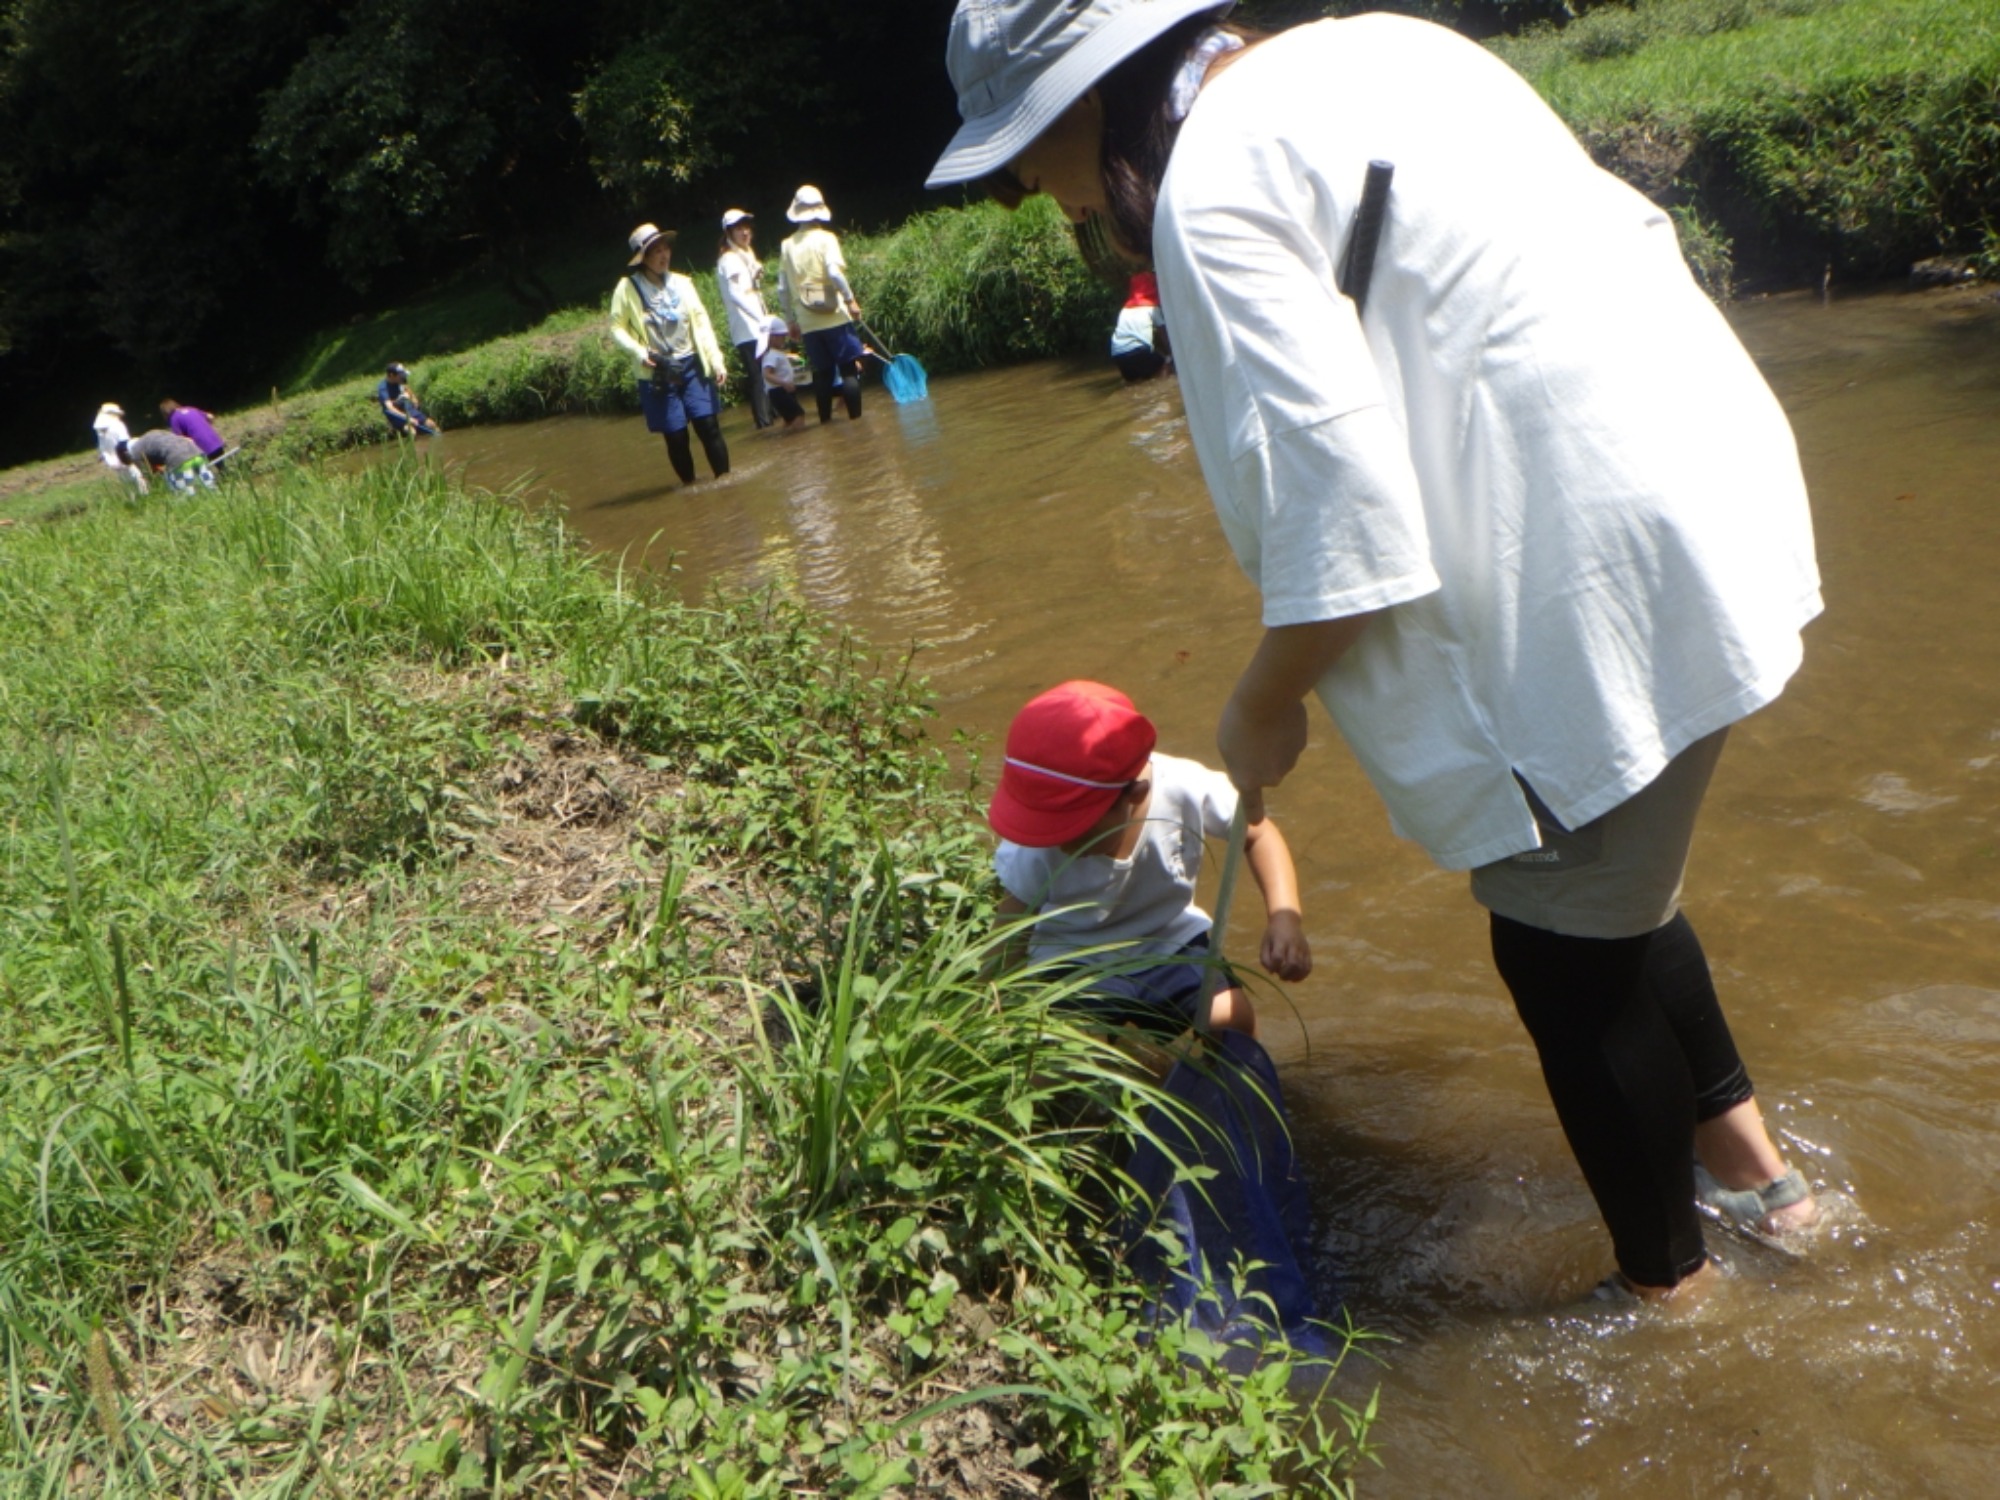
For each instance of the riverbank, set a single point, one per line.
(472, 1027)
(1798, 142)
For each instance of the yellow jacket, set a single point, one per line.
(628, 325)
(813, 254)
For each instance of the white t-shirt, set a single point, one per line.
(1546, 450)
(1145, 900)
(777, 367)
(111, 431)
(740, 277)
(1135, 330)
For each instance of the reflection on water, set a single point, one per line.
(1038, 523)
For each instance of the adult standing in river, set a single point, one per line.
(819, 304)
(658, 318)
(1533, 530)
(740, 274)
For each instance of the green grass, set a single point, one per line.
(1861, 134)
(473, 310)
(469, 1027)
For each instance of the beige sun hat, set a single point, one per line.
(113, 407)
(808, 206)
(645, 237)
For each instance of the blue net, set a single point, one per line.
(1248, 1208)
(906, 379)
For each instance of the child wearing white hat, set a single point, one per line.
(779, 376)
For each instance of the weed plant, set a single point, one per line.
(348, 1150)
(1859, 135)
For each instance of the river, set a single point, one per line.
(1033, 524)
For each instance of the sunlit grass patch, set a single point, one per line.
(1859, 134)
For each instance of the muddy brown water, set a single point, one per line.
(1032, 524)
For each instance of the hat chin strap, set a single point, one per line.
(1105, 786)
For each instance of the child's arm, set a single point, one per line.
(1285, 952)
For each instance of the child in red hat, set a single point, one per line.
(1103, 835)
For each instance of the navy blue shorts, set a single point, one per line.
(833, 348)
(676, 394)
(1165, 996)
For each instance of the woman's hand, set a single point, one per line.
(1259, 745)
(1263, 728)
(1286, 953)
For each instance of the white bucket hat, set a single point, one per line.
(645, 237)
(1018, 64)
(734, 217)
(113, 407)
(808, 206)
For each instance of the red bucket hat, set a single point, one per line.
(1070, 753)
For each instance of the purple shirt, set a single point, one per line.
(197, 429)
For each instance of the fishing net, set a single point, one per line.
(1231, 1229)
(906, 379)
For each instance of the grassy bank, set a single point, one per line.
(471, 1028)
(1793, 135)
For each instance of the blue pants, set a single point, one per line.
(1165, 996)
(832, 349)
(676, 395)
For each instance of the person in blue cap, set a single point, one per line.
(1532, 529)
(398, 400)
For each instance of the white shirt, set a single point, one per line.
(777, 367)
(1145, 900)
(111, 431)
(1546, 455)
(1134, 330)
(740, 276)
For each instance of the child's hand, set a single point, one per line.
(1286, 953)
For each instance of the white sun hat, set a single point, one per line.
(808, 205)
(1018, 64)
(734, 217)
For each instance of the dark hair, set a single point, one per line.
(1139, 136)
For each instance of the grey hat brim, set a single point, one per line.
(987, 142)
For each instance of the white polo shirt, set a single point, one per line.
(1545, 455)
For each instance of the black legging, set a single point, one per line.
(850, 390)
(753, 377)
(680, 452)
(1636, 1052)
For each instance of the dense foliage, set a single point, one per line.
(1857, 136)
